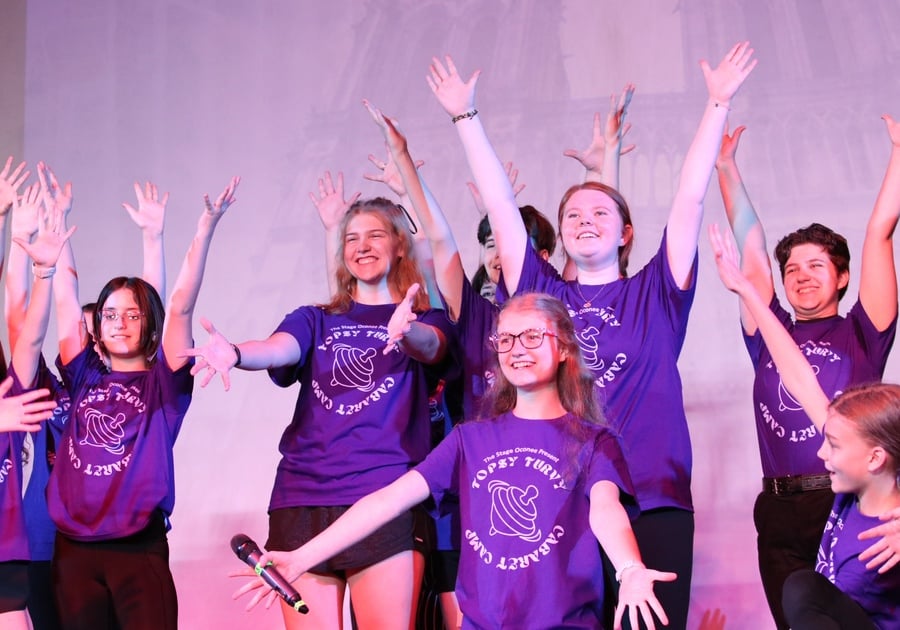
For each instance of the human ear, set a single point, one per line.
(627, 235)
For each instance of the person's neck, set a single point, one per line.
(602, 274)
(539, 404)
(374, 294)
(128, 364)
(880, 495)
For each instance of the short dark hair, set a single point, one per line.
(150, 305)
(539, 229)
(833, 243)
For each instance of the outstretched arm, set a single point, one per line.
(745, 225)
(332, 207)
(363, 518)
(878, 276)
(422, 342)
(447, 264)
(795, 371)
(611, 526)
(177, 335)
(601, 158)
(44, 251)
(150, 217)
(458, 100)
(686, 216)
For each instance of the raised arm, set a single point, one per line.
(458, 100)
(363, 518)
(745, 225)
(878, 275)
(11, 179)
(177, 335)
(44, 253)
(446, 262)
(601, 158)
(331, 206)
(686, 216)
(611, 526)
(796, 374)
(24, 224)
(69, 329)
(150, 217)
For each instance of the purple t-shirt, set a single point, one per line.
(528, 557)
(876, 593)
(630, 336)
(114, 466)
(361, 419)
(13, 537)
(476, 322)
(842, 351)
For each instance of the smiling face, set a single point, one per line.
(491, 259)
(370, 248)
(121, 322)
(592, 229)
(846, 454)
(812, 283)
(529, 369)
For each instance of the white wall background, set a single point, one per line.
(190, 92)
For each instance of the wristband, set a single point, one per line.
(237, 351)
(629, 564)
(42, 272)
(469, 114)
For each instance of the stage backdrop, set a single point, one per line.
(187, 93)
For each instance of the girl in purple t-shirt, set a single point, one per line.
(112, 487)
(532, 514)
(861, 452)
(361, 418)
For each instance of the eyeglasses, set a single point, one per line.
(112, 315)
(530, 339)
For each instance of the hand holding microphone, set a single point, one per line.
(250, 553)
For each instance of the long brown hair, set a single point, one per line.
(621, 207)
(404, 271)
(574, 382)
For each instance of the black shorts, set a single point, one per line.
(13, 585)
(292, 527)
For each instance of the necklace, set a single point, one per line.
(587, 302)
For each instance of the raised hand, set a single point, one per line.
(401, 321)
(330, 203)
(610, 135)
(51, 237)
(24, 412)
(10, 182)
(396, 144)
(636, 596)
(389, 175)
(216, 356)
(454, 95)
(512, 173)
(727, 260)
(150, 215)
(25, 213)
(729, 145)
(54, 196)
(216, 210)
(723, 81)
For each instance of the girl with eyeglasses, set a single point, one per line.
(112, 488)
(539, 483)
(861, 452)
(631, 329)
(365, 362)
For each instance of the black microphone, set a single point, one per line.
(249, 552)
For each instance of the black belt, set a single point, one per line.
(792, 484)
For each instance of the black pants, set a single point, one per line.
(41, 604)
(665, 538)
(123, 583)
(811, 602)
(789, 529)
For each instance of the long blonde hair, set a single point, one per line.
(404, 270)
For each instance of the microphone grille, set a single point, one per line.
(238, 542)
